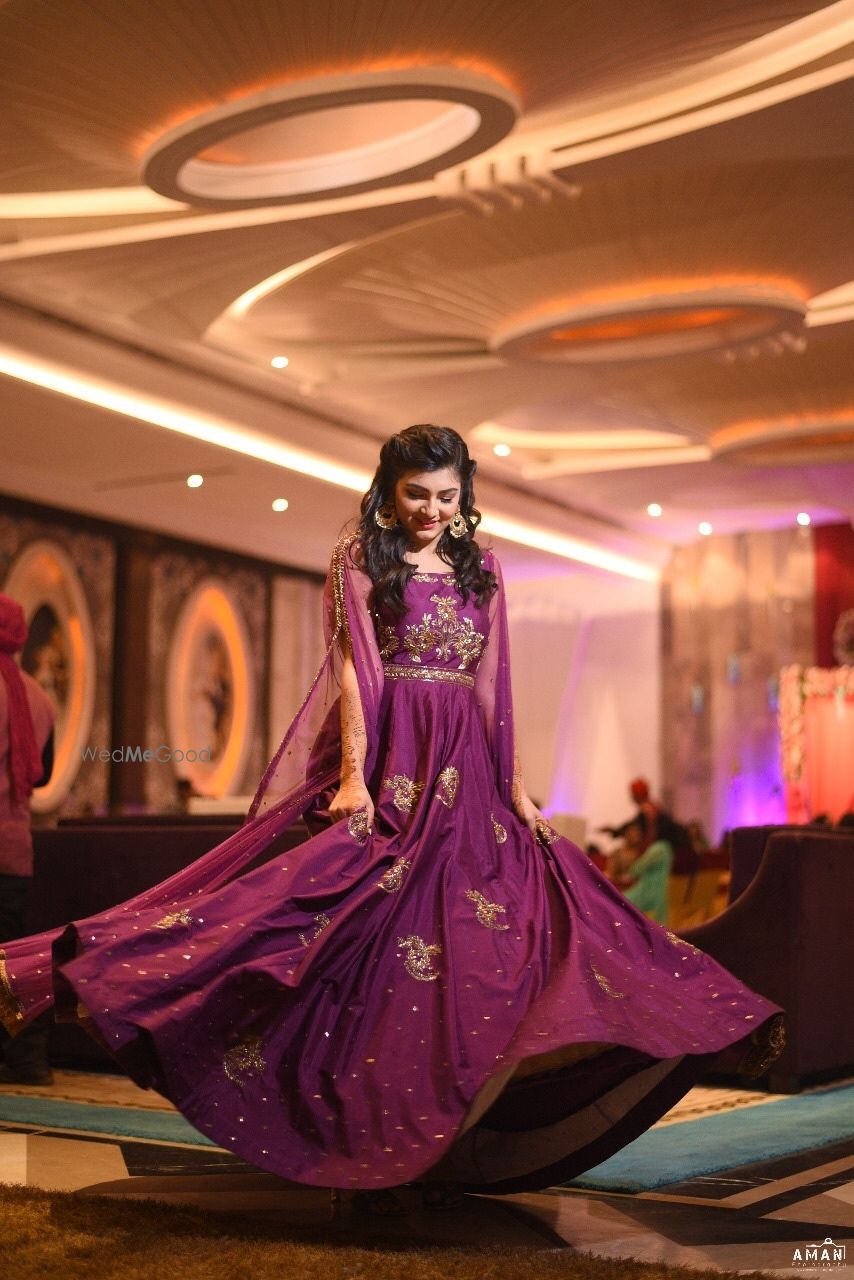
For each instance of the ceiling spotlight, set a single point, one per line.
(655, 510)
(280, 504)
(501, 450)
(195, 481)
(280, 362)
(804, 518)
(704, 528)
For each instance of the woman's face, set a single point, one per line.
(426, 502)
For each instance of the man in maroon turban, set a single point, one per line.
(27, 718)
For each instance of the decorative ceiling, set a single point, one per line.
(610, 244)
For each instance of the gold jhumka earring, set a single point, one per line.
(458, 526)
(386, 516)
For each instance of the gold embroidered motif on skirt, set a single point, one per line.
(487, 912)
(11, 1013)
(680, 942)
(500, 832)
(244, 1060)
(321, 921)
(406, 791)
(419, 957)
(446, 787)
(546, 832)
(357, 825)
(605, 984)
(392, 879)
(174, 917)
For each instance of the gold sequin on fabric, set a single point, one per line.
(388, 640)
(244, 1060)
(455, 635)
(605, 984)
(419, 957)
(11, 1013)
(420, 637)
(546, 832)
(431, 577)
(680, 942)
(392, 879)
(500, 832)
(487, 912)
(358, 826)
(430, 674)
(320, 923)
(406, 791)
(174, 917)
(341, 623)
(446, 787)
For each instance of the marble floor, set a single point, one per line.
(759, 1216)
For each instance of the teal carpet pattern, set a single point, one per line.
(672, 1153)
(87, 1117)
(690, 1148)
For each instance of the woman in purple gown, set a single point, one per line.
(436, 986)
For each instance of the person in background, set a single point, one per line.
(647, 815)
(699, 839)
(27, 719)
(645, 881)
(846, 822)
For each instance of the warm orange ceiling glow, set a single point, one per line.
(648, 290)
(460, 62)
(645, 325)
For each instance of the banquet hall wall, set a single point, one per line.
(736, 609)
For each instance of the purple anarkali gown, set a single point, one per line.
(442, 992)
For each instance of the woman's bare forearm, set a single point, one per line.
(518, 788)
(354, 739)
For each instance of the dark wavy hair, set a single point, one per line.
(422, 447)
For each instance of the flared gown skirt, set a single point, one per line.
(441, 993)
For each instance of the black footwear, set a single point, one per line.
(9, 1076)
(381, 1203)
(766, 1044)
(442, 1195)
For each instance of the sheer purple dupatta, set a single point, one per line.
(492, 688)
(307, 762)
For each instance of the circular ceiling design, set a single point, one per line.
(337, 134)
(659, 324)
(787, 442)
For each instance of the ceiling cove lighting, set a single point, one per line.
(254, 444)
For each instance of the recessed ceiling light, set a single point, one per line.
(655, 510)
(501, 450)
(704, 528)
(280, 362)
(195, 481)
(804, 518)
(280, 504)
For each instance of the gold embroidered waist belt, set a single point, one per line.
(432, 675)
